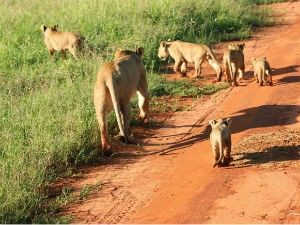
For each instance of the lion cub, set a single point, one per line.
(233, 62)
(220, 139)
(62, 41)
(262, 71)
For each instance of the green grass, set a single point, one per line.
(47, 121)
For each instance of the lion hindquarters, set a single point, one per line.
(262, 71)
(220, 139)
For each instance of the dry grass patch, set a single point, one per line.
(277, 149)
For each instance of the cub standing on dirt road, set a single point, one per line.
(183, 52)
(62, 41)
(262, 71)
(233, 62)
(220, 139)
(117, 81)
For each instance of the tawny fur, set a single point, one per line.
(233, 63)
(220, 139)
(262, 71)
(183, 52)
(124, 52)
(62, 41)
(116, 84)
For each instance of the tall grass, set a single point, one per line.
(47, 121)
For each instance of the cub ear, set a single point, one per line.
(43, 28)
(55, 27)
(228, 121)
(253, 59)
(140, 51)
(264, 57)
(212, 122)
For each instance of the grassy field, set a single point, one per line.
(47, 121)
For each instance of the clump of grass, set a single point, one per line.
(264, 2)
(276, 149)
(47, 120)
(184, 88)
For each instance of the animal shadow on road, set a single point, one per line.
(284, 70)
(271, 155)
(288, 80)
(264, 116)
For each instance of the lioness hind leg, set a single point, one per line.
(256, 77)
(227, 75)
(234, 82)
(126, 115)
(102, 117)
(51, 51)
(242, 72)
(183, 68)
(143, 102)
(198, 68)
(74, 52)
(63, 53)
(177, 65)
(103, 106)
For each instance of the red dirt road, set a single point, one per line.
(171, 179)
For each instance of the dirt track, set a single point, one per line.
(171, 179)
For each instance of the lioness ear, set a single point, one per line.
(163, 43)
(56, 26)
(242, 46)
(43, 28)
(140, 51)
(212, 122)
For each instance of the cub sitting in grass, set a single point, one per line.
(62, 41)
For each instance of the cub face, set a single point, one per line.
(163, 51)
(54, 28)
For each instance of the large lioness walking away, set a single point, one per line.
(183, 52)
(233, 62)
(220, 139)
(262, 71)
(117, 81)
(62, 41)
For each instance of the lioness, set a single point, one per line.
(117, 81)
(220, 139)
(233, 62)
(183, 52)
(123, 52)
(262, 71)
(62, 41)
